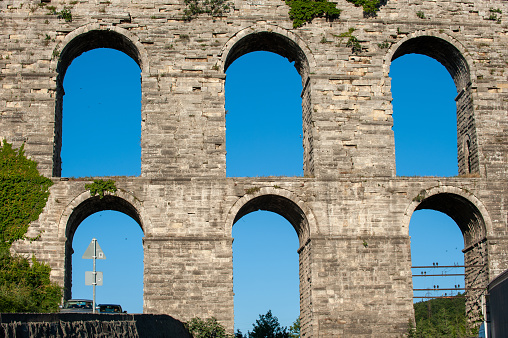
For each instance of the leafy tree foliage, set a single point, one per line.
(303, 11)
(441, 317)
(24, 284)
(267, 326)
(294, 330)
(209, 328)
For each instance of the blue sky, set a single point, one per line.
(104, 86)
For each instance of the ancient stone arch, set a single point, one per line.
(285, 43)
(85, 205)
(294, 210)
(280, 201)
(79, 41)
(474, 222)
(350, 194)
(453, 56)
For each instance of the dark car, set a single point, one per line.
(110, 308)
(78, 305)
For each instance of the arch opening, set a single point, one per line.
(457, 66)
(467, 217)
(270, 42)
(265, 265)
(116, 222)
(264, 207)
(281, 206)
(255, 44)
(87, 63)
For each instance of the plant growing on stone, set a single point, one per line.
(99, 187)
(370, 7)
(65, 14)
(420, 197)
(51, 10)
(252, 190)
(302, 11)
(214, 8)
(493, 15)
(356, 47)
(420, 14)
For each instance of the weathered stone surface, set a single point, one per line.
(187, 206)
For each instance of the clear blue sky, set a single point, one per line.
(104, 86)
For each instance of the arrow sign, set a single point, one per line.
(89, 253)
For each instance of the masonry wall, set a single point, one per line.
(350, 196)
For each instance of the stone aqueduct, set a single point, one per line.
(183, 200)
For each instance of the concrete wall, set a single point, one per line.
(187, 206)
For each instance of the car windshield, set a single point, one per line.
(78, 304)
(110, 308)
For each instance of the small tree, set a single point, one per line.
(209, 328)
(267, 326)
(294, 330)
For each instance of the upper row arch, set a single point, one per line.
(93, 36)
(440, 46)
(270, 38)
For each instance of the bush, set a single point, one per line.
(209, 328)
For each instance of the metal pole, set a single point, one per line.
(94, 272)
(484, 311)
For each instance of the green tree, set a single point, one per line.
(209, 328)
(294, 330)
(25, 285)
(267, 326)
(442, 317)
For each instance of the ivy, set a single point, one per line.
(99, 187)
(23, 194)
(25, 285)
(214, 8)
(302, 11)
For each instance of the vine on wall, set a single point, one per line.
(23, 194)
(25, 285)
